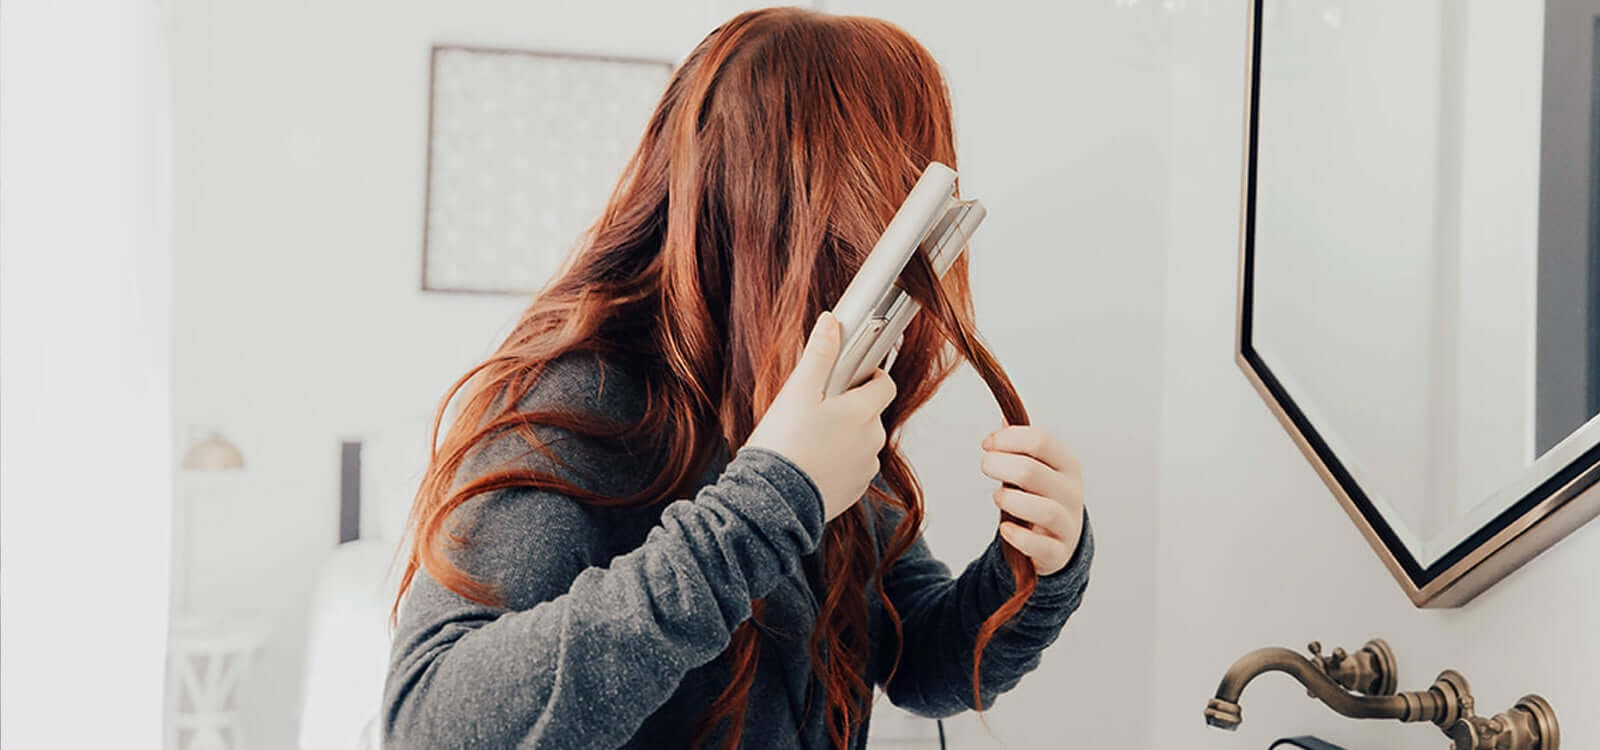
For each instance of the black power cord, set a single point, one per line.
(940, 724)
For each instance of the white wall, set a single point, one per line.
(1061, 130)
(84, 401)
(1253, 550)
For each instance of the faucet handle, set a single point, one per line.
(1478, 733)
(1328, 665)
(1369, 671)
(1319, 662)
(1463, 736)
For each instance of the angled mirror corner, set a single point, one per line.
(1419, 268)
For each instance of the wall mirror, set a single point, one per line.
(1419, 268)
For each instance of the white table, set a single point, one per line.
(208, 657)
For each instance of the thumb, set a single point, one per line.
(821, 351)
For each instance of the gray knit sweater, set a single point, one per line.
(613, 618)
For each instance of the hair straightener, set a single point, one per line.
(873, 312)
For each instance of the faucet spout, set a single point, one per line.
(1224, 710)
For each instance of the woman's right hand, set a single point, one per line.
(833, 439)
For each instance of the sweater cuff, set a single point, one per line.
(1062, 586)
(792, 483)
(1068, 582)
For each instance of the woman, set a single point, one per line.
(646, 526)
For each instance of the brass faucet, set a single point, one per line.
(1362, 686)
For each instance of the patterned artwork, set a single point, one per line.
(523, 150)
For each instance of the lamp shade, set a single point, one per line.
(212, 452)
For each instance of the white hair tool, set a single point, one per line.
(873, 312)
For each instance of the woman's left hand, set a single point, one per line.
(1047, 494)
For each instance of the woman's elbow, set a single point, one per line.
(912, 697)
(397, 719)
(405, 718)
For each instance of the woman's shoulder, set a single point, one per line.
(589, 390)
(523, 522)
(526, 543)
(589, 383)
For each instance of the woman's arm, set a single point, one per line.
(940, 616)
(582, 654)
(603, 647)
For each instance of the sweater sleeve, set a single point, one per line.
(940, 616)
(584, 653)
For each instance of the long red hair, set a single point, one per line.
(778, 153)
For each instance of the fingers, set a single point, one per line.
(822, 349)
(1042, 512)
(1032, 441)
(871, 397)
(1048, 553)
(1027, 473)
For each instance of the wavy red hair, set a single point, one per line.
(778, 153)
